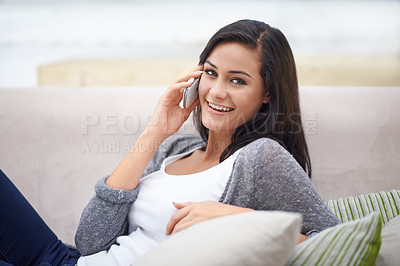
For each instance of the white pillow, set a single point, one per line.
(251, 238)
(390, 247)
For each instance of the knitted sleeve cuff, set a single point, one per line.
(115, 196)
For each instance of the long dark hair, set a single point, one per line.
(280, 118)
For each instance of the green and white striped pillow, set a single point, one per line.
(353, 208)
(344, 243)
(350, 243)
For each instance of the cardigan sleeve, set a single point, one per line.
(106, 216)
(267, 177)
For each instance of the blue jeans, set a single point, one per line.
(25, 239)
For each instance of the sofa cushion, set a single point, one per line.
(252, 238)
(350, 243)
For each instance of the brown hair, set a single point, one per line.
(280, 118)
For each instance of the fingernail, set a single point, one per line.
(199, 71)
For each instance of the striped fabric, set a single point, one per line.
(351, 243)
(357, 240)
(353, 208)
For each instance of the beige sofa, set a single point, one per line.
(58, 141)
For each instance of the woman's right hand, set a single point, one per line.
(168, 116)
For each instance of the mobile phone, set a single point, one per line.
(190, 94)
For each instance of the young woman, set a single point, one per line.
(251, 155)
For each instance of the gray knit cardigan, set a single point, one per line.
(265, 176)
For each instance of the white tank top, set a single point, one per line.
(152, 210)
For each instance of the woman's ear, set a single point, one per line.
(266, 98)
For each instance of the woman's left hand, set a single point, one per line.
(190, 213)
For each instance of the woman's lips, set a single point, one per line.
(219, 108)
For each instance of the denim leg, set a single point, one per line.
(2, 258)
(3, 263)
(25, 239)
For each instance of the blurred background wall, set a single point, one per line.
(149, 42)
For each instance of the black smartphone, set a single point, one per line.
(190, 94)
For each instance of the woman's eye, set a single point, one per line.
(210, 72)
(238, 81)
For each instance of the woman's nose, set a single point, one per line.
(218, 90)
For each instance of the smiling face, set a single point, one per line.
(231, 87)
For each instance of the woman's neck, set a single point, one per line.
(216, 144)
